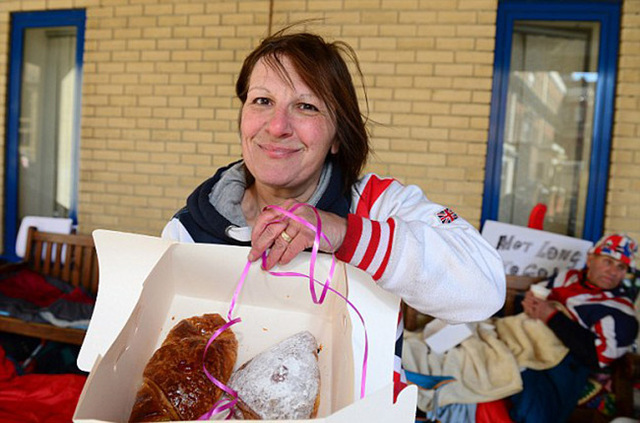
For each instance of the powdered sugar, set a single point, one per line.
(282, 382)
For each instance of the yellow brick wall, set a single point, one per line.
(159, 114)
(158, 109)
(623, 196)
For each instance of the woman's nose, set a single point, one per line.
(280, 122)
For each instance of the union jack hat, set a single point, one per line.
(619, 246)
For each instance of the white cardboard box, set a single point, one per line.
(148, 284)
(441, 336)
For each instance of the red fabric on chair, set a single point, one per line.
(493, 412)
(7, 369)
(30, 286)
(42, 398)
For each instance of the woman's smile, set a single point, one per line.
(276, 151)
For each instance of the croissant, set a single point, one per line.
(174, 385)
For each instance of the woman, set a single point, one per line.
(304, 141)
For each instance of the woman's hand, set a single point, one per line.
(285, 238)
(537, 308)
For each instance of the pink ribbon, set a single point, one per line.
(226, 403)
(229, 402)
(317, 229)
(363, 379)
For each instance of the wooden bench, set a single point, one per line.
(626, 370)
(68, 257)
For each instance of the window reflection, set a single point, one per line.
(548, 123)
(46, 122)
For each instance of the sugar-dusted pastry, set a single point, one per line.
(174, 386)
(282, 382)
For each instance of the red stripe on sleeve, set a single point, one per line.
(372, 247)
(351, 238)
(385, 261)
(372, 191)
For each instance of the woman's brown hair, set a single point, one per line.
(322, 67)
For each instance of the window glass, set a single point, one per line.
(46, 122)
(548, 123)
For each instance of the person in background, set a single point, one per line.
(304, 140)
(588, 311)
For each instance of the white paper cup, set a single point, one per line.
(540, 291)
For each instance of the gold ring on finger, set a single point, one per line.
(286, 237)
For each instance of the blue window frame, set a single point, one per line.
(607, 13)
(20, 22)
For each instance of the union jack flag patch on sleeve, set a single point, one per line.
(447, 215)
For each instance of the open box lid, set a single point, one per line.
(124, 261)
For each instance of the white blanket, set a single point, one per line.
(487, 365)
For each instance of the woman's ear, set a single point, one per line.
(335, 147)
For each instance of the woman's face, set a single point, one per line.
(286, 131)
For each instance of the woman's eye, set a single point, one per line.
(308, 107)
(261, 100)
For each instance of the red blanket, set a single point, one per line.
(37, 397)
(33, 287)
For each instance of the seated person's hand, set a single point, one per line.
(537, 308)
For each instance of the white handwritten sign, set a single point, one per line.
(532, 252)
